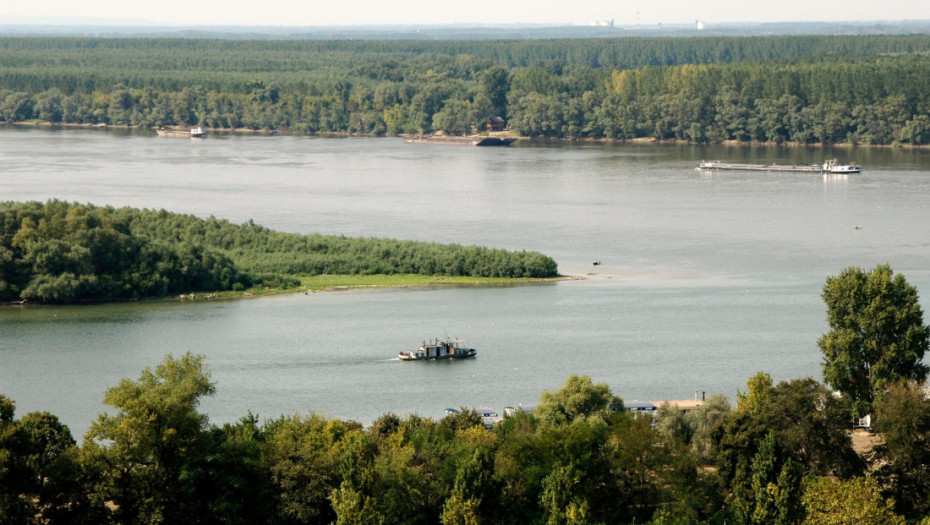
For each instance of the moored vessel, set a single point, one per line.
(473, 140)
(439, 349)
(194, 133)
(828, 166)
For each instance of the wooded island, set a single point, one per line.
(60, 252)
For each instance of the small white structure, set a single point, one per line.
(864, 422)
(641, 408)
(488, 416)
(509, 411)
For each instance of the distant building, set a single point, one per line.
(603, 23)
(496, 124)
(699, 25)
(640, 407)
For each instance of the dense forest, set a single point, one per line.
(59, 252)
(783, 455)
(807, 89)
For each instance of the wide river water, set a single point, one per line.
(706, 278)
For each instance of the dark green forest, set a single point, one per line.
(60, 252)
(783, 455)
(805, 89)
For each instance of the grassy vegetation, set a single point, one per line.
(60, 252)
(323, 283)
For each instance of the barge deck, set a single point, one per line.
(830, 166)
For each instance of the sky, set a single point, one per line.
(470, 12)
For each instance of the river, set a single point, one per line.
(705, 278)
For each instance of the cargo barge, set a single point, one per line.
(829, 166)
(474, 140)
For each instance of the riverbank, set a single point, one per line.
(310, 284)
(502, 135)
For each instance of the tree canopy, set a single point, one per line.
(810, 89)
(59, 252)
(877, 334)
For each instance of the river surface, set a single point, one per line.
(705, 278)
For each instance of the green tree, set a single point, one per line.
(672, 422)
(877, 336)
(561, 502)
(148, 450)
(41, 479)
(578, 399)
(773, 495)
(902, 416)
(809, 422)
(473, 491)
(496, 84)
(856, 501)
(15, 504)
(702, 420)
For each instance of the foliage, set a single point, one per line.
(702, 421)
(148, 451)
(856, 501)
(773, 494)
(578, 399)
(62, 252)
(41, 479)
(811, 89)
(903, 418)
(877, 335)
(808, 422)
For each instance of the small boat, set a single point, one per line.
(831, 166)
(439, 349)
(194, 133)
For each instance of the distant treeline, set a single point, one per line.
(861, 89)
(66, 252)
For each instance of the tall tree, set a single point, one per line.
(877, 335)
(148, 449)
(496, 83)
(579, 398)
(903, 418)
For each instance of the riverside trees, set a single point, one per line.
(862, 89)
(784, 455)
(60, 252)
(158, 460)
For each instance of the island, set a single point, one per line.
(61, 252)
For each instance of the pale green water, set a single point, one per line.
(706, 278)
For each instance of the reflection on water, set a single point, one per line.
(705, 278)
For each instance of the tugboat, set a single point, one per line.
(436, 349)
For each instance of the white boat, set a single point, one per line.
(194, 133)
(831, 166)
(439, 349)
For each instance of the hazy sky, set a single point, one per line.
(376, 12)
